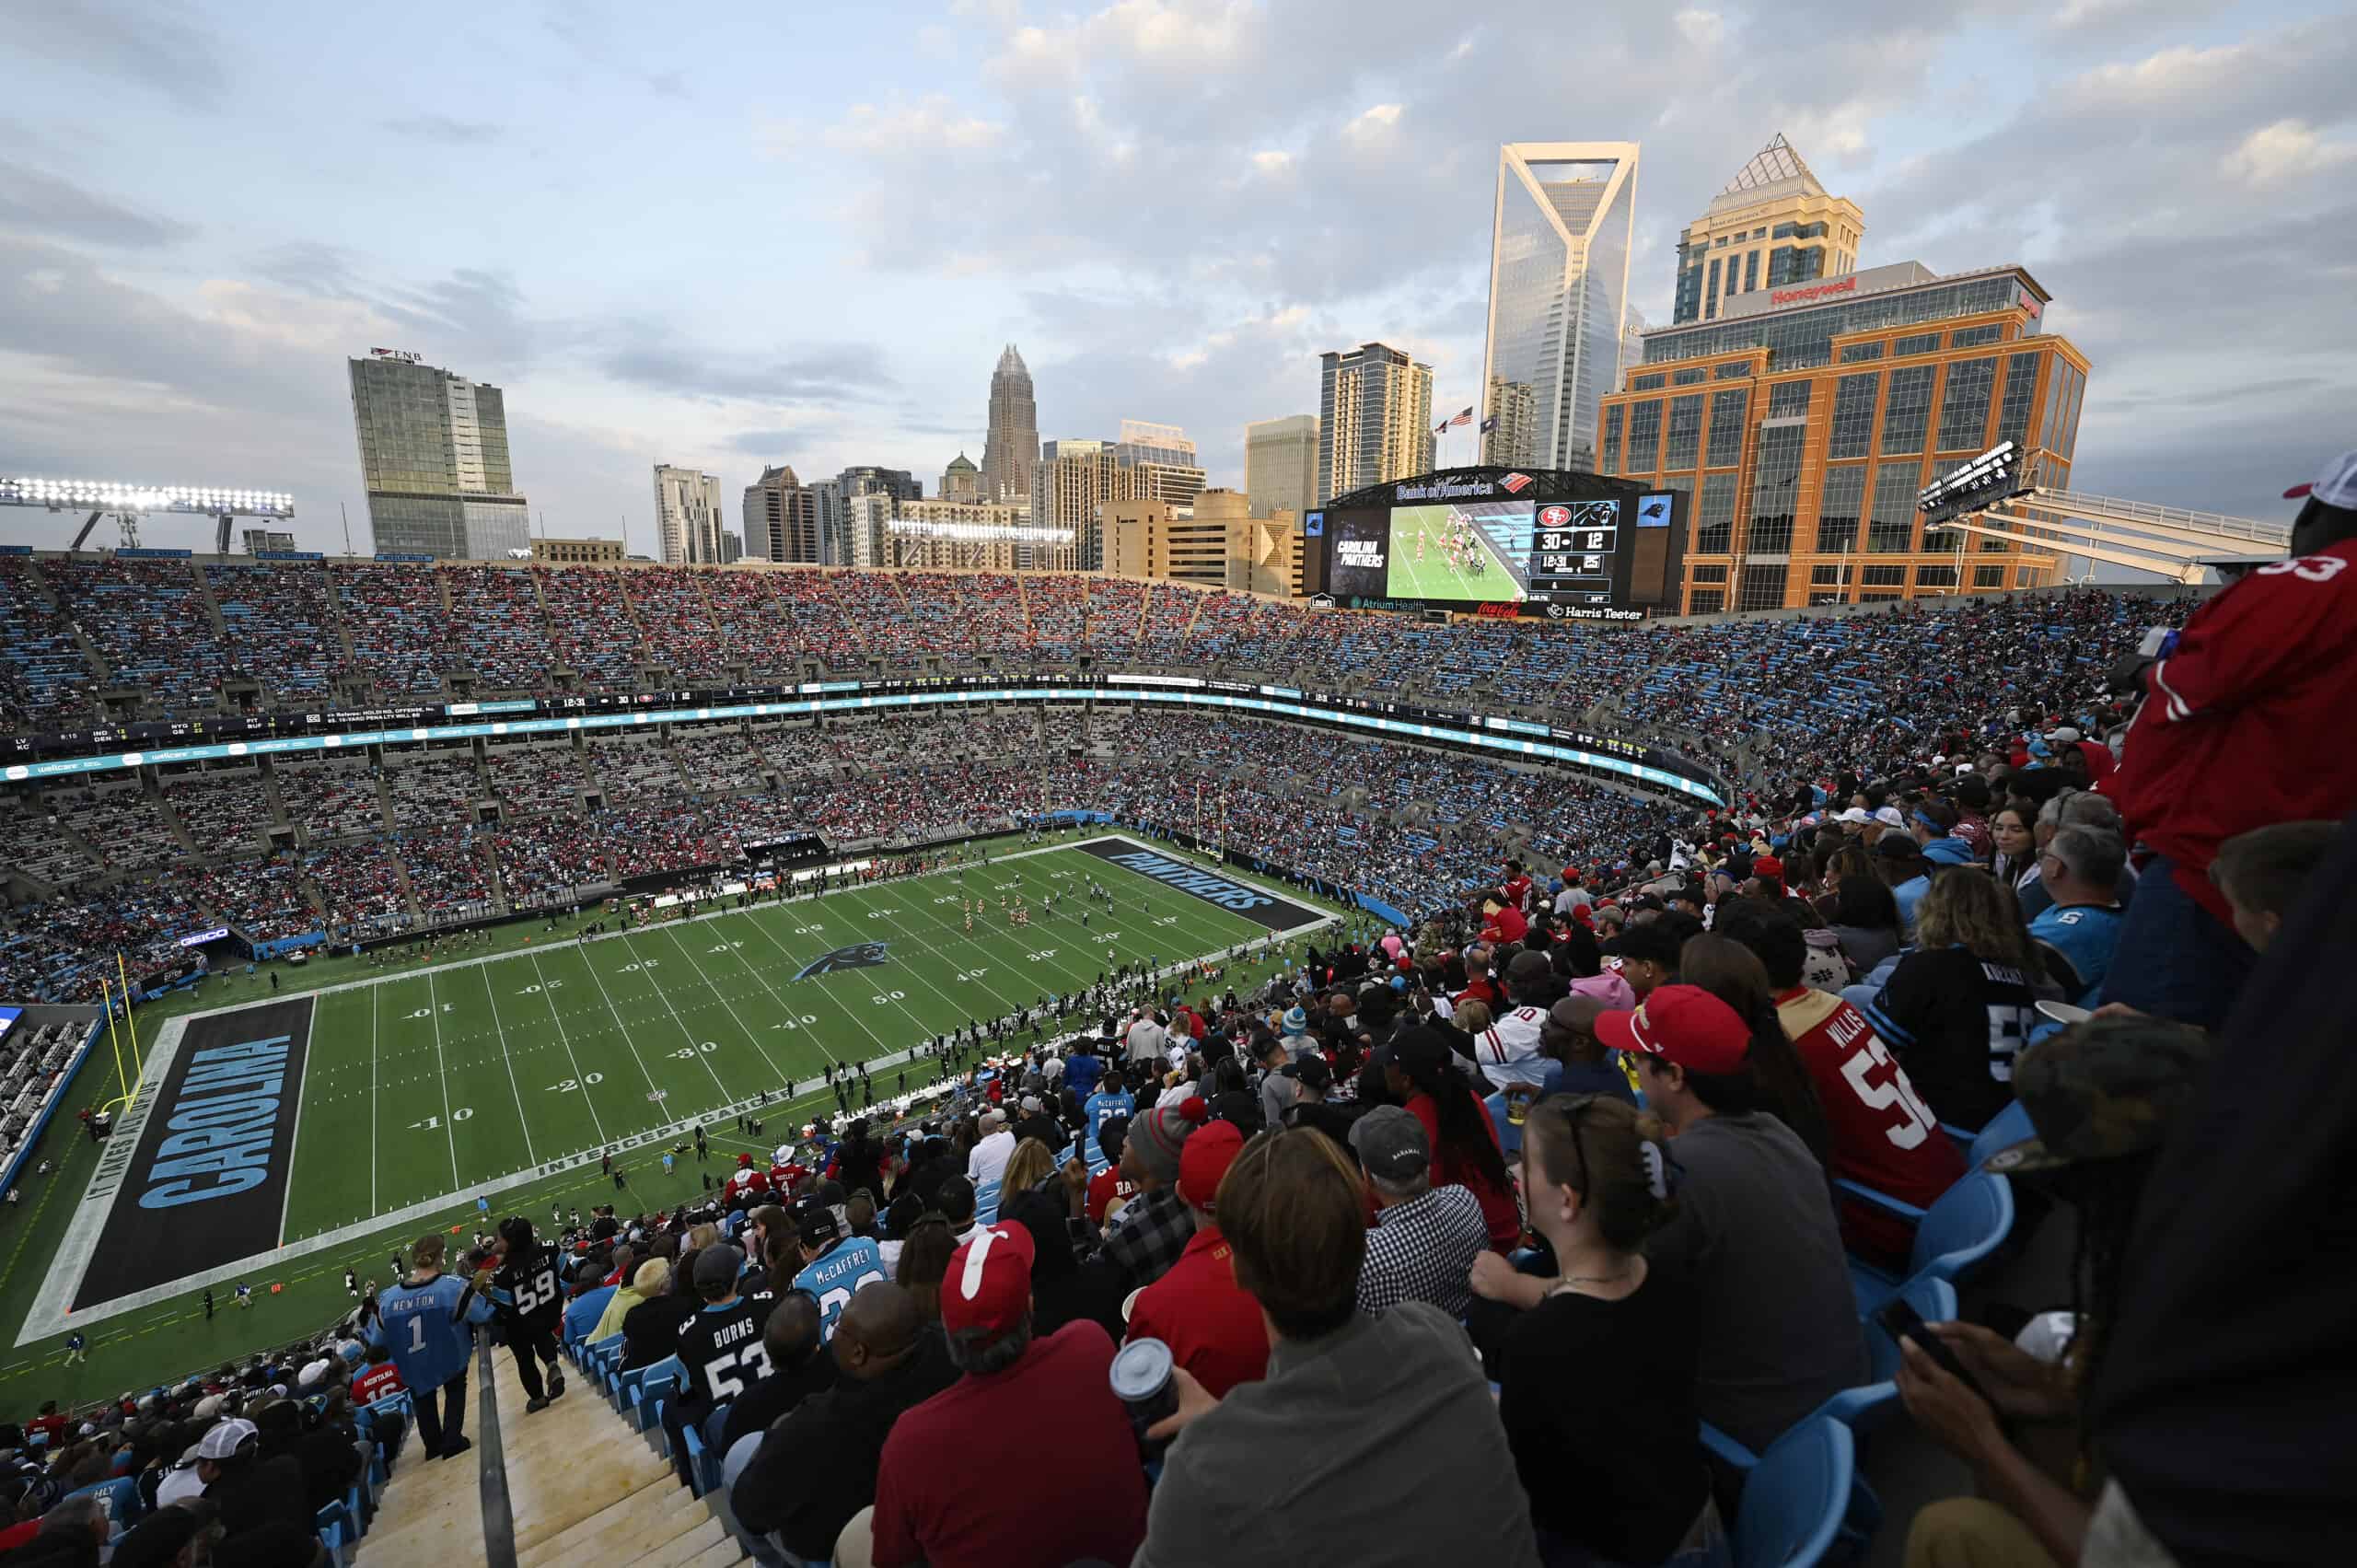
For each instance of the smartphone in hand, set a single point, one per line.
(1899, 1320)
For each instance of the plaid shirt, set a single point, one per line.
(1424, 1251)
(1151, 1234)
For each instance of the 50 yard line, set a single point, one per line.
(434, 1011)
(372, 1098)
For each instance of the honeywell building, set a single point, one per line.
(1806, 420)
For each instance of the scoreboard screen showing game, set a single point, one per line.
(1561, 545)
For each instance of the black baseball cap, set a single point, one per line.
(815, 1223)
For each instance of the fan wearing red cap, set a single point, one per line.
(1780, 1326)
(1019, 1396)
(1212, 1327)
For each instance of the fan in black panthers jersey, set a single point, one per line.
(720, 1348)
(532, 1304)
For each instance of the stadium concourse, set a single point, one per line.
(1591, 1213)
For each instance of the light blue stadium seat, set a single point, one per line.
(653, 1383)
(1796, 1503)
(2008, 1127)
(1964, 1225)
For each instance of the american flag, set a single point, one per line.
(1465, 418)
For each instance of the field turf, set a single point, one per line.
(422, 1086)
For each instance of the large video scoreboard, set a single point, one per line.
(1558, 543)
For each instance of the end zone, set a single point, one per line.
(1218, 889)
(200, 1161)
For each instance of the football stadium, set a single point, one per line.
(1718, 959)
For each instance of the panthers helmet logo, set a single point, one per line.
(859, 955)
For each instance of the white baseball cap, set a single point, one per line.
(2334, 486)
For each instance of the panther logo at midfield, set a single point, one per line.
(859, 955)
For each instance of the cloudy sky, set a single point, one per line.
(722, 235)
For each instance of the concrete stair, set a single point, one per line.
(584, 1492)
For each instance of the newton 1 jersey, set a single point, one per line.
(835, 1277)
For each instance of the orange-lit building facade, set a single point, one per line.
(1805, 420)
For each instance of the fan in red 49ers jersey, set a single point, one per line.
(2245, 722)
(746, 1181)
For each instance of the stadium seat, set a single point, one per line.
(336, 1532)
(653, 1382)
(1964, 1225)
(1796, 1501)
(1862, 1408)
(2008, 1127)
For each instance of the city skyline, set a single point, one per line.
(148, 332)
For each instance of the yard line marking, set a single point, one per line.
(748, 1033)
(654, 1090)
(693, 1041)
(434, 1011)
(550, 997)
(372, 1102)
(509, 1062)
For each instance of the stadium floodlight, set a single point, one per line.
(129, 503)
(108, 496)
(1995, 475)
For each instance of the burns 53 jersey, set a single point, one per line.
(721, 1350)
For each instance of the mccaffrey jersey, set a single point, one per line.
(834, 1277)
(527, 1288)
(1103, 1107)
(720, 1347)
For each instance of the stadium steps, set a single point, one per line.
(386, 821)
(151, 785)
(212, 605)
(102, 672)
(583, 1491)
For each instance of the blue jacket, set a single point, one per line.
(1949, 850)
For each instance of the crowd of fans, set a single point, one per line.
(1536, 1232)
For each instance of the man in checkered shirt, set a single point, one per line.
(1147, 1236)
(1426, 1237)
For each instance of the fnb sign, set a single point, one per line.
(1815, 291)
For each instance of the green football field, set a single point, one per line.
(1433, 575)
(430, 1084)
(506, 1075)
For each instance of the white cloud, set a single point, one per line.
(1701, 28)
(929, 125)
(1375, 126)
(2287, 150)
(1270, 162)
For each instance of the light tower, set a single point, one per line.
(129, 503)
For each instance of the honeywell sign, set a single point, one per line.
(1847, 285)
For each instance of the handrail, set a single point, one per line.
(498, 1514)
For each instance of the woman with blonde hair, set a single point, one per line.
(1958, 1009)
(1031, 1163)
